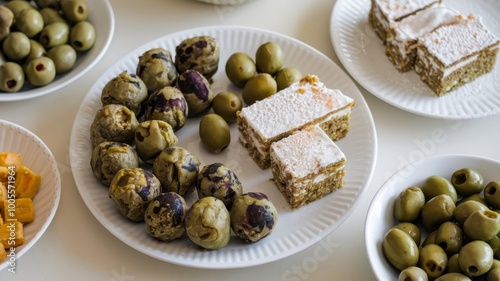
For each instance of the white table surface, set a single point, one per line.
(77, 247)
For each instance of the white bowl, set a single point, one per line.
(380, 216)
(102, 17)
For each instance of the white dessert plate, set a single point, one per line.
(380, 216)
(363, 56)
(295, 230)
(102, 17)
(38, 157)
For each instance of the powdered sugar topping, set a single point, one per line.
(395, 9)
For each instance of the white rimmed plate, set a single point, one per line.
(363, 56)
(102, 17)
(295, 230)
(38, 157)
(380, 216)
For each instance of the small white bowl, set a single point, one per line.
(380, 216)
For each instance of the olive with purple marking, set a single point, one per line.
(200, 53)
(113, 122)
(110, 157)
(132, 190)
(151, 137)
(219, 181)
(126, 89)
(164, 216)
(196, 89)
(167, 104)
(156, 68)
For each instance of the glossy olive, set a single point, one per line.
(269, 58)
(258, 88)
(214, 133)
(493, 275)
(410, 229)
(30, 22)
(17, 6)
(453, 265)
(54, 4)
(226, 104)
(74, 10)
(53, 34)
(475, 258)
(467, 181)
(436, 211)
(465, 209)
(482, 225)
(64, 57)
(400, 249)
(492, 194)
(455, 276)
(413, 273)
(430, 238)
(287, 76)
(40, 71)
(495, 246)
(7, 18)
(11, 77)
(16, 46)
(474, 197)
(409, 204)
(51, 15)
(82, 36)
(433, 260)
(496, 263)
(450, 237)
(36, 51)
(240, 68)
(435, 185)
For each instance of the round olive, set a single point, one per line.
(64, 57)
(7, 18)
(482, 225)
(51, 15)
(400, 249)
(30, 22)
(269, 58)
(411, 229)
(437, 211)
(409, 204)
(74, 10)
(413, 273)
(467, 181)
(214, 133)
(492, 194)
(226, 104)
(40, 71)
(454, 276)
(11, 77)
(474, 197)
(258, 88)
(464, 210)
(36, 51)
(449, 236)
(53, 34)
(240, 68)
(475, 258)
(82, 36)
(16, 46)
(435, 185)
(433, 260)
(287, 76)
(16, 6)
(453, 265)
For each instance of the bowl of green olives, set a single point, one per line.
(49, 44)
(437, 219)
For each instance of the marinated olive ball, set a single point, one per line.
(126, 89)
(177, 169)
(219, 181)
(450, 237)
(400, 249)
(453, 276)
(412, 273)
(110, 157)
(269, 58)
(482, 225)
(156, 69)
(200, 53)
(29, 22)
(196, 89)
(169, 105)
(226, 104)
(437, 211)
(74, 10)
(165, 216)
(411, 229)
(409, 204)
(36, 51)
(436, 185)
(240, 67)
(53, 34)
(82, 36)
(287, 76)
(132, 190)
(16, 46)
(214, 133)
(7, 19)
(467, 181)
(475, 258)
(40, 71)
(258, 88)
(253, 216)
(11, 77)
(64, 57)
(464, 210)
(151, 137)
(208, 223)
(433, 260)
(492, 194)
(113, 122)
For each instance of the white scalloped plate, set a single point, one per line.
(36, 156)
(363, 56)
(295, 230)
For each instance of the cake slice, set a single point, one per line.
(306, 166)
(454, 55)
(384, 12)
(402, 36)
(306, 102)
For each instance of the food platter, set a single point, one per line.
(102, 17)
(380, 216)
(363, 56)
(37, 156)
(295, 230)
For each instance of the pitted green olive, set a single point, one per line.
(400, 249)
(436, 185)
(36, 51)
(287, 76)
(226, 104)
(56, 33)
(474, 197)
(409, 204)
(11, 77)
(82, 36)
(413, 273)
(454, 276)
(29, 21)
(64, 57)
(410, 229)
(74, 10)
(465, 209)
(240, 68)
(214, 133)
(436, 211)
(492, 194)
(482, 225)
(467, 181)
(475, 258)
(453, 265)
(258, 88)
(16, 6)
(51, 15)
(430, 238)
(40, 71)
(16, 46)
(450, 237)
(269, 58)
(433, 260)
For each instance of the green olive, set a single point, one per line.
(400, 249)
(475, 258)
(453, 265)
(36, 51)
(11, 77)
(410, 229)
(64, 57)
(7, 18)
(53, 34)
(258, 88)
(492, 194)
(16, 46)
(465, 209)
(430, 238)
(409, 204)
(17, 6)
(51, 15)
(495, 246)
(496, 264)
(433, 260)
(450, 237)
(82, 36)
(454, 276)
(474, 197)
(40, 71)
(226, 104)
(287, 76)
(54, 4)
(30, 22)
(214, 133)
(74, 10)
(412, 273)
(467, 181)
(493, 275)
(435, 185)
(240, 68)
(482, 225)
(437, 211)
(269, 58)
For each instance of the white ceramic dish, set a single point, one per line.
(102, 17)
(37, 156)
(295, 230)
(380, 216)
(363, 55)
